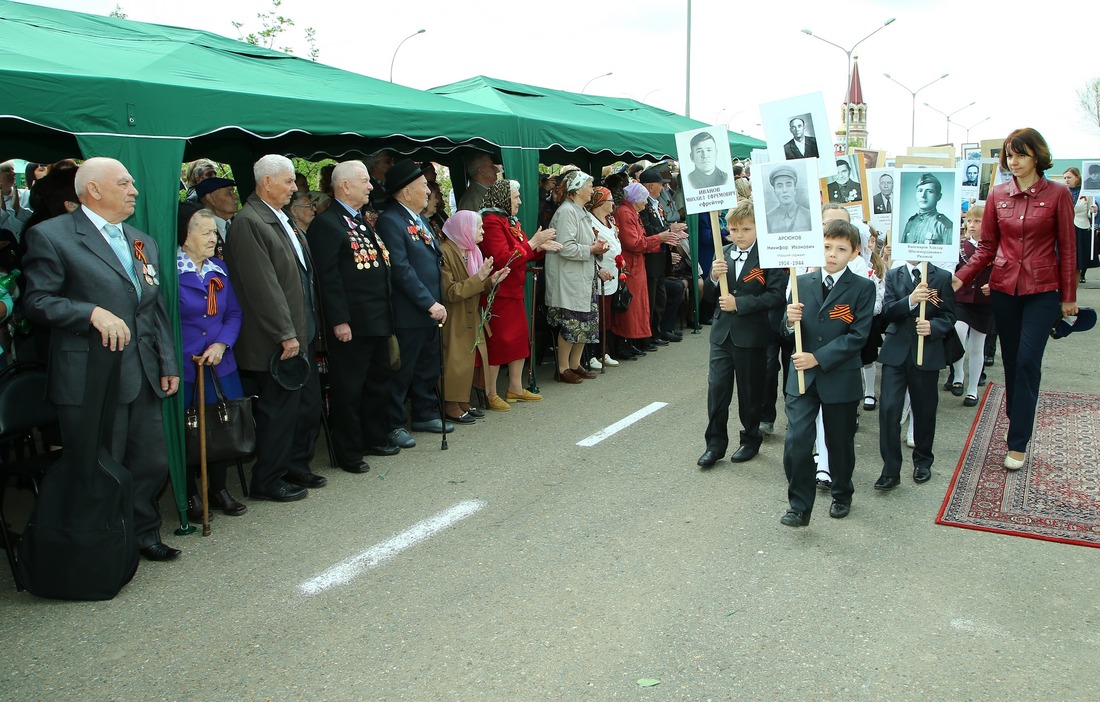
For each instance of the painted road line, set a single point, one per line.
(347, 571)
(621, 424)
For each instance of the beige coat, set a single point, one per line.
(569, 272)
(462, 297)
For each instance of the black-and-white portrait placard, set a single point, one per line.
(927, 215)
(706, 169)
(788, 216)
(798, 128)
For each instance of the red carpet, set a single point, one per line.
(1055, 496)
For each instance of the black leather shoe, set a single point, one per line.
(636, 349)
(839, 510)
(383, 450)
(659, 341)
(649, 346)
(464, 418)
(708, 459)
(306, 480)
(887, 483)
(672, 336)
(744, 453)
(194, 510)
(795, 519)
(360, 467)
(922, 475)
(475, 413)
(284, 493)
(227, 504)
(160, 552)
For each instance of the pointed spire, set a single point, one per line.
(855, 90)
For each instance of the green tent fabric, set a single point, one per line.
(78, 85)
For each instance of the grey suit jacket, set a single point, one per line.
(268, 283)
(834, 330)
(71, 269)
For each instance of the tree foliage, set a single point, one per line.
(274, 25)
(117, 13)
(1088, 101)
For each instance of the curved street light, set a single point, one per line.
(971, 126)
(848, 84)
(947, 138)
(419, 31)
(913, 117)
(596, 78)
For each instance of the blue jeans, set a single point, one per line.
(1023, 325)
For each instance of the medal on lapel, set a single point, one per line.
(363, 251)
(147, 270)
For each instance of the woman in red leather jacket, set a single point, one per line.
(1028, 235)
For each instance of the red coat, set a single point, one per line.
(1030, 240)
(500, 242)
(634, 323)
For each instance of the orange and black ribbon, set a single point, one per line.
(139, 251)
(755, 274)
(212, 288)
(842, 312)
(934, 296)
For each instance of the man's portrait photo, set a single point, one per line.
(790, 213)
(704, 156)
(802, 144)
(927, 225)
(843, 187)
(1091, 171)
(883, 199)
(972, 172)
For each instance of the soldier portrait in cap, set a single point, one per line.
(921, 220)
(785, 197)
(791, 212)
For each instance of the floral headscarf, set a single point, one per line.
(576, 180)
(461, 228)
(499, 197)
(600, 195)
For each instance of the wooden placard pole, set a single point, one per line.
(716, 234)
(920, 317)
(797, 331)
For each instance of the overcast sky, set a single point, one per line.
(1018, 73)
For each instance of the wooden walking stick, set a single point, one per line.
(603, 331)
(797, 331)
(533, 386)
(201, 390)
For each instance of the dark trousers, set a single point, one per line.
(730, 365)
(656, 271)
(287, 423)
(359, 395)
(798, 448)
(417, 377)
(924, 396)
(137, 442)
(1023, 324)
(778, 355)
(674, 297)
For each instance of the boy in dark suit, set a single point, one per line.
(835, 309)
(900, 372)
(739, 338)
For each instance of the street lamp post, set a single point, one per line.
(947, 137)
(913, 118)
(971, 126)
(596, 78)
(848, 84)
(419, 31)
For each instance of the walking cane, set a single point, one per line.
(532, 386)
(603, 332)
(442, 390)
(202, 445)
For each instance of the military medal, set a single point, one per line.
(363, 250)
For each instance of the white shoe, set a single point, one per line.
(767, 428)
(1014, 464)
(910, 441)
(594, 364)
(609, 362)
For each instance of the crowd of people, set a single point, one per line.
(414, 311)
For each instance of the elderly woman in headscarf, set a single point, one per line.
(634, 323)
(571, 290)
(466, 275)
(505, 242)
(603, 224)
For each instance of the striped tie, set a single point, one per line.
(118, 243)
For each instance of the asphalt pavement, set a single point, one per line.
(519, 565)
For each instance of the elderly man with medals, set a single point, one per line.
(353, 272)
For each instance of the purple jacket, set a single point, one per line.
(198, 329)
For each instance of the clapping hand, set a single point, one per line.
(486, 268)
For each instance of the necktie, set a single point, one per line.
(827, 284)
(887, 199)
(118, 243)
(916, 276)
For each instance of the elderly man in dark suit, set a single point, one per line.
(91, 276)
(417, 276)
(353, 272)
(273, 278)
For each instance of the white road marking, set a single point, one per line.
(621, 424)
(347, 571)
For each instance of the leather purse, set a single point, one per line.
(620, 301)
(230, 428)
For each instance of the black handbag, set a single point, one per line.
(230, 428)
(620, 301)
